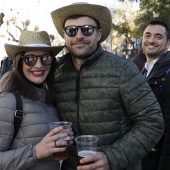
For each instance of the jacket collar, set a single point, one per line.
(161, 66)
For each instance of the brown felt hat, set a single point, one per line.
(30, 41)
(98, 12)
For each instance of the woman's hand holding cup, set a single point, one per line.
(56, 142)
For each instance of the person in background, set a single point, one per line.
(140, 60)
(6, 64)
(33, 78)
(156, 41)
(102, 94)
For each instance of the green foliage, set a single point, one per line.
(122, 28)
(147, 10)
(149, 7)
(141, 21)
(123, 19)
(129, 0)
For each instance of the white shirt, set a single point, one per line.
(150, 66)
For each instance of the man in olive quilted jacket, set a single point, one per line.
(103, 94)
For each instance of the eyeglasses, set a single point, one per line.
(31, 59)
(87, 30)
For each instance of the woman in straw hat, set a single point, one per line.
(32, 77)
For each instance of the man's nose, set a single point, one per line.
(152, 39)
(79, 33)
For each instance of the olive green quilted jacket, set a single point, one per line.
(109, 98)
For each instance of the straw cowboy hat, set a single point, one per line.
(100, 13)
(30, 40)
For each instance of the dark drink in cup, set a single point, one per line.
(83, 154)
(61, 155)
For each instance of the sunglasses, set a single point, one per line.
(72, 30)
(31, 59)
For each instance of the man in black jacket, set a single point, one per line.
(155, 43)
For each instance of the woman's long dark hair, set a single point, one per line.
(16, 81)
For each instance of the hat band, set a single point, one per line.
(37, 45)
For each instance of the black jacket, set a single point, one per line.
(159, 81)
(140, 60)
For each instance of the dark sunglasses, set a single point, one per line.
(31, 59)
(87, 30)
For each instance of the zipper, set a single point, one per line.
(77, 101)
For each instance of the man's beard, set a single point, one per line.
(155, 54)
(152, 55)
(83, 54)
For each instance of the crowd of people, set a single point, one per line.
(100, 93)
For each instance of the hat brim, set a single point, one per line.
(100, 13)
(13, 50)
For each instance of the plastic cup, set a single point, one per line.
(86, 145)
(61, 155)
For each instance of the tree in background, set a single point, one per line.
(1, 18)
(123, 26)
(123, 19)
(24, 27)
(149, 9)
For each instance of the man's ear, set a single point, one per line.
(63, 33)
(100, 32)
(168, 44)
